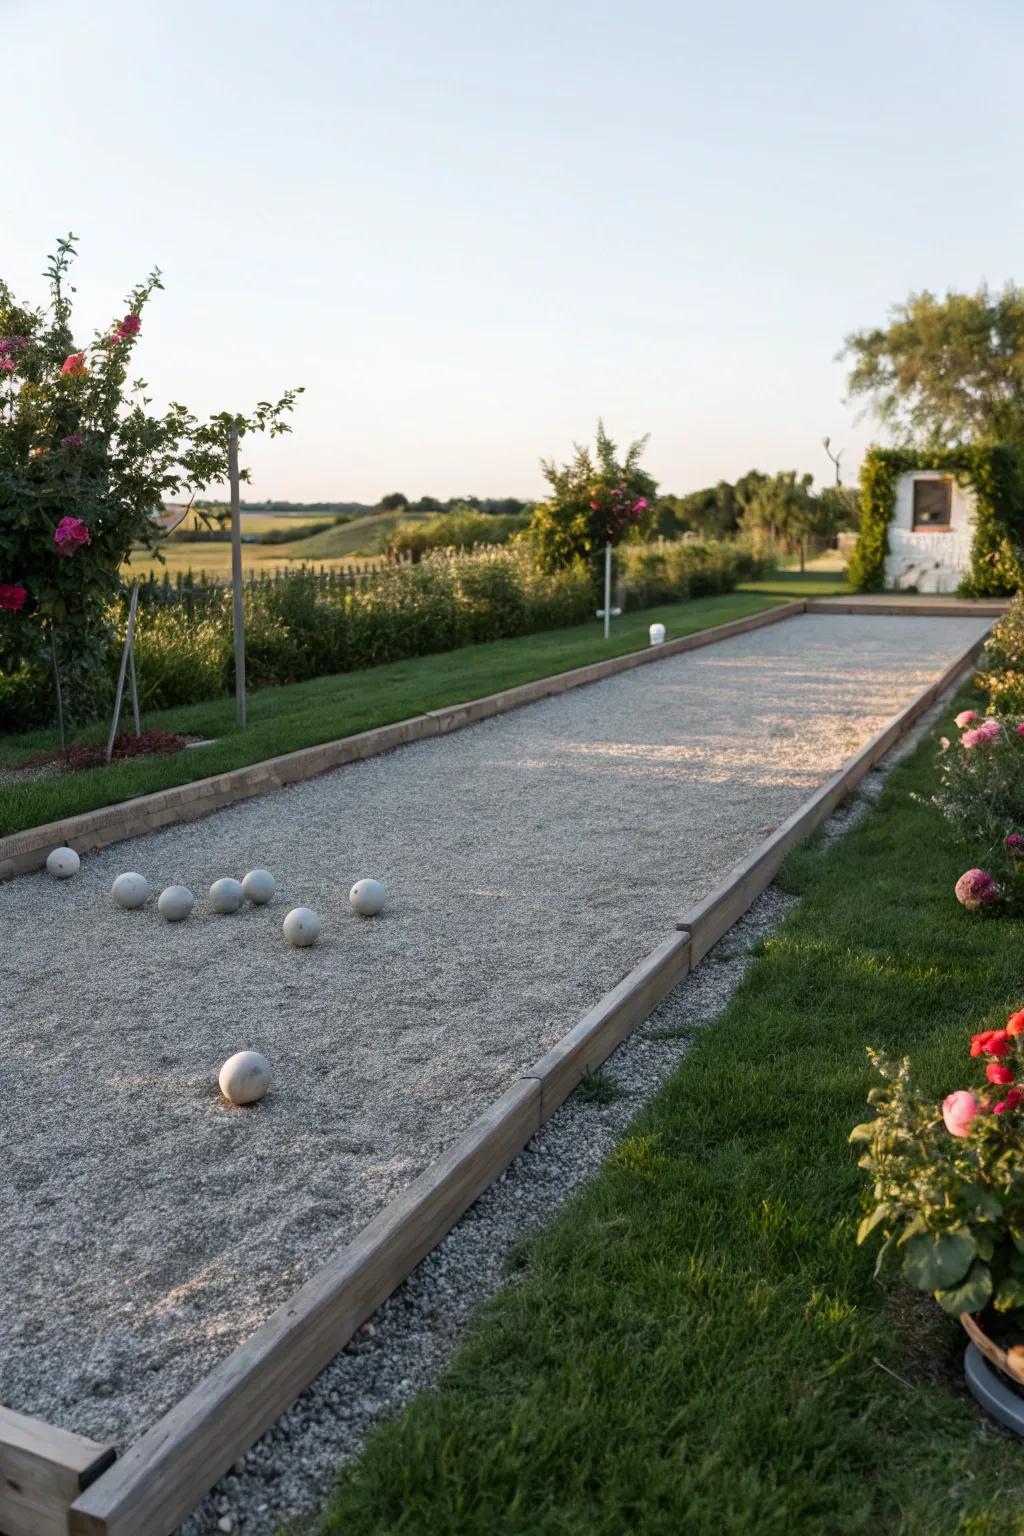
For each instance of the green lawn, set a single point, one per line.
(696, 1345)
(303, 714)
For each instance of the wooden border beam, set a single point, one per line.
(42, 1471)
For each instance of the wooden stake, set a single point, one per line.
(237, 598)
(129, 642)
(56, 679)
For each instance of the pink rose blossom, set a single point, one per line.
(990, 730)
(976, 888)
(130, 325)
(73, 367)
(958, 1110)
(12, 598)
(69, 534)
(944, 743)
(1020, 729)
(971, 738)
(1014, 845)
(72, 441)
(965, 717)
(6, 365)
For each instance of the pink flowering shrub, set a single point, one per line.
(947, 1178)
(595, 499)
(981, 793)
(84, 465)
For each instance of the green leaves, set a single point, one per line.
(971, 1295)
(933, 1261)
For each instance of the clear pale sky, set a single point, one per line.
(469, 227)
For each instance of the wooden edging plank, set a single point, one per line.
(708, 920)
(161, 1478)
(22, 852)
(607, 1024)
(42, 1471)
(912, 607)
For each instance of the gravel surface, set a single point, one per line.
(289, 1473)
(531, 861)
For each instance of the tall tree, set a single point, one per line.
(946, 371)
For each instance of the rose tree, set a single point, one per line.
(85, 464)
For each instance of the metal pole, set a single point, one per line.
(133, 684)
(607, 589)
(125, 653)
(56, 679)
(238, 603)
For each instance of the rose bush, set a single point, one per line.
(947, 1193)
(981, 793)
(84, 464)
(595, 500)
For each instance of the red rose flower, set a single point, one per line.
(997, 1074)
(73, 367)
(1015, 1023)
(12, 598)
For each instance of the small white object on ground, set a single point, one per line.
(175, 903)
(226, 895)
(301, 927)
(367, 897)
(62, 863)
(131, 891)
(657, 633)
(259, 886)
(245, 1077)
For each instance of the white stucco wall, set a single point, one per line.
(935, 560)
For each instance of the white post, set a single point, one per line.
(607, 589)
(237, 600)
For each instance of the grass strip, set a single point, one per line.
(327, 708)
(697, 1344)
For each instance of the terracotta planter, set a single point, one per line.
(995, 1375)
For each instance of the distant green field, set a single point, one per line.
(336, 544)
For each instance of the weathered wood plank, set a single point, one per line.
(161, 1478)
(42, 1471)
(608, 1023)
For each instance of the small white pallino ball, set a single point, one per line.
(130, 891)
(245, 1077)
(367, 897)
(301, 927)
(259, 886)
(226, 895)
(62, 863)
(175, 903)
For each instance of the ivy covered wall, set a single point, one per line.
(995, 473)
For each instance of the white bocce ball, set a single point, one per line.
(130, 891)
(175, 903)
(226, 895)
(301, 927)
(259, 886)
(367, 897)
(62, 863)
(245, 1077)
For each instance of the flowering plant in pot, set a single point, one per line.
(85, 466)
(947, 1192)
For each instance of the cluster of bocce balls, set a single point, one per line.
(245, 1077)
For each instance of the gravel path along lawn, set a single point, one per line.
(530, 860)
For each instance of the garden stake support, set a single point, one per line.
(128, 652)
(237, 601)
(56, 679)
(608, 612)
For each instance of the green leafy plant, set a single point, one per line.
(981, 783)
(85, 466)
(1002, 675)
(947, 1195)
(596, 499)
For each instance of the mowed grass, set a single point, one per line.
(304, 714)
(697, 1344)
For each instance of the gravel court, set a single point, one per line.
(530, 860)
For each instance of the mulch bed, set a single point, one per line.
(93, 754)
